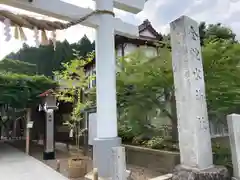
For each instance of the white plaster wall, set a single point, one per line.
(147, 33)
(129, 48)
(149, 51)
(118, 55)
(62, 84)
(119, 51)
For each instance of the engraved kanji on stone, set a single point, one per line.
(203, 123)
(199, 94)
(197, 74)
(195, 53)
(194, 34)
(49, 117)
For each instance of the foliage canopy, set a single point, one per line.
(20, 90)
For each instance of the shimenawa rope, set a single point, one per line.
(31, 23)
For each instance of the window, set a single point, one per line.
(91, 74)
(94, 77)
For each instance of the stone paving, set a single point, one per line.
(15, 165)
(138, 173)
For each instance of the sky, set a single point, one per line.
(159, 12)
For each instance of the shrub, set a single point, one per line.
(222, 156)
(155, 143)
(125, 132)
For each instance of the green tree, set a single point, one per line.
(211, 32)
(19, 90)
(47, 60)
(84, 46)
(221, 65)
(146, 84)
(74, 81)
(202, 32)
(16, 66)
(215, 32)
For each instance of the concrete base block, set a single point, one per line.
(102, 155)
(215, 173)
(163, 177)
(89, 176)
(234, 178)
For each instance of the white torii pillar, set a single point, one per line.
(106, 92)
(105, 25)
(107, 131)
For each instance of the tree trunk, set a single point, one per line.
(174, 119)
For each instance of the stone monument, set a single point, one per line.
(193, 125)
(233, 121)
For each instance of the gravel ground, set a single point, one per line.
(36, 150)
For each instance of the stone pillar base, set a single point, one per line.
(48, 155)
(215, 173)
(102, 155)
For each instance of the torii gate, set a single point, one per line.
(106, 25)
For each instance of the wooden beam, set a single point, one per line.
(68, 12)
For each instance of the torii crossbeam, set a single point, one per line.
(68, 12)
(106, 26)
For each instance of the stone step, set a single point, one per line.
(163, 177)
(89, 176)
